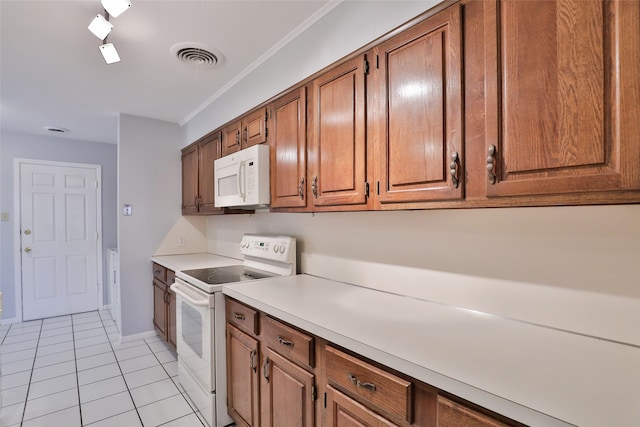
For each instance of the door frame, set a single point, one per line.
(17, 265)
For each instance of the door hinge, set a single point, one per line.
(325, 400)
(96, 183)
(314, 393)
(366, 67)
(97, 236)
(366, 189)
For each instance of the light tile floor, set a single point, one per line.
(69, 371)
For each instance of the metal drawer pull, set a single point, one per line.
(265, 369)
(301, 188)
(314, 186)
(453, 169)
(357, 383)
(238, 316)
(491, 164)
(285, 342)
(252, 360)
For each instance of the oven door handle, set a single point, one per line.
(179, 290)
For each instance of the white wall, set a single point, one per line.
(348, 27)
(575, 268)
(16, 145)
(149, 178)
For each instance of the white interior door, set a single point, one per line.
(59, 237)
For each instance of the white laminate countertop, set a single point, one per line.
(537, 375)
(193, 261)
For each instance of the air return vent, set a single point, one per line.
(195, 54)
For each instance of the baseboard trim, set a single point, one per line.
(140, 336)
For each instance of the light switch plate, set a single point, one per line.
(127, 210)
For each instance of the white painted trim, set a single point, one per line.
(319, 14)
(17, 162)
(12, 320)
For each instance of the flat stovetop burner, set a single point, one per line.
(228, 274)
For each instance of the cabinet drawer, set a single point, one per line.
(287, 341)
(243, 317)
(171, 277)
(452, 414)
(370, 385)
(159, 272)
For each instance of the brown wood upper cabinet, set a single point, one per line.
(288, 124)
(198, 195)
(337, 175)
(190, 190)
(231, 138)
(250, 130)
(254, 128)
(417, 91)
(562, 96)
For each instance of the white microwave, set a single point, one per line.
(242, 178)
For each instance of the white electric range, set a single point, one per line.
(200, 317)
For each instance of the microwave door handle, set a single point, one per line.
(242, 180)
(239, 180)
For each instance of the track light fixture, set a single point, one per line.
(109, 53)
(101, 27)
(116, 7)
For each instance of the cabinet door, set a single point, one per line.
(286, 393)
(160, 307)
(242, 378)
(254, 128)
(346, 412)
(231, 138)
(418, 99)
(562, 88)
(288, 143)
(338, 138)
(190, 180)
(209, 152)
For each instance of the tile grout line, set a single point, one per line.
(175, 385)
(33, 367)
(75, 362)
(121, 373)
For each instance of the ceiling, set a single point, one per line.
(52, 73)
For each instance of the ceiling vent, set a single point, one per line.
(55, 129)
(195, 55)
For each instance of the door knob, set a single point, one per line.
(27, 250)
(27, 232)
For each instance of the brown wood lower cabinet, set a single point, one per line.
(343, 411)
(287, 393)
(452, 414)
(242, 377)
(164, 303)
(281, 376)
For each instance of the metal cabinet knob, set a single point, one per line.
(27, 232)
(27, 250)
